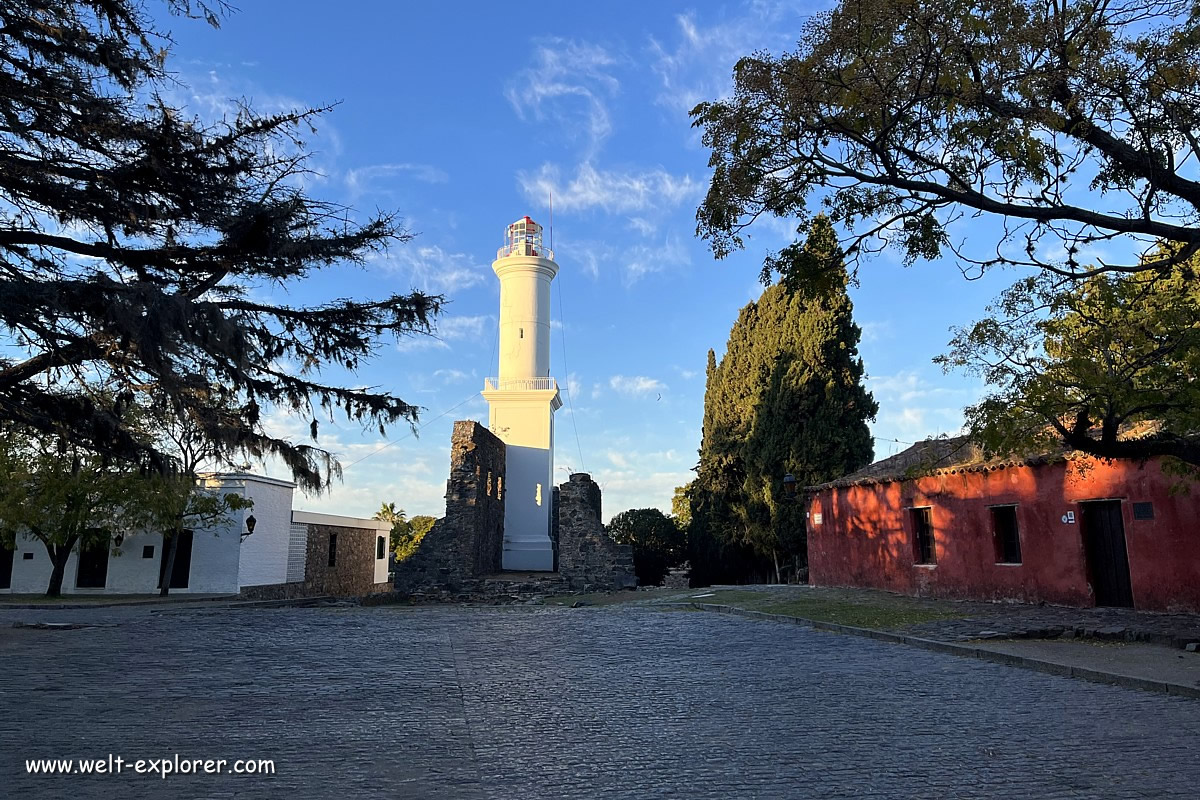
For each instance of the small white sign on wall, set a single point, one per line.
(1068, 518)
(816, 518)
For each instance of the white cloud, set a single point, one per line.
(698, 66)
(906, 386)
(432, 269)
(463, 327)
(567, 84)
(446, 330)
(643, 226)
(417, 344)
(451, 375)
(631, 262)
(874, 331)
(361, 180)
(398, 469)
(637, 385)
(613, 191)
(913, 424)
(639, 488)
(618, 460)
(574, 387)
(913, 408)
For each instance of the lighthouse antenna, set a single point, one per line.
(551, 192)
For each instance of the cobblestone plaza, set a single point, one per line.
(544, 703)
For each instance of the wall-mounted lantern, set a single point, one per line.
(250, 523)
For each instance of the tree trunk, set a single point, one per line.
(775, 558)
(59, 553)
(171, 543)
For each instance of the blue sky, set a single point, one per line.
(464, 117)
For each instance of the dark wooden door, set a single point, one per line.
(182, 570)
(6, 561)
(1107, 559)
(91, 571)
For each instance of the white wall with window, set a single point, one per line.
(214, 560)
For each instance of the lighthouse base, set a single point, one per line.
(528, 556)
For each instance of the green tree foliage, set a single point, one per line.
(181, 499)
(658, 543)
(787, 397)
(1075, 365)
(71, 499)
(401, 529)
(132, 234)
(63, 496)
(389, 512)
(406, 533)
(681, 507)
(1070, 123)
(174, 503)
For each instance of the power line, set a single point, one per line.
(562, 340)
(897, 441)
(410, 433)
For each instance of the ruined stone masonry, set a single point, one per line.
(468, 542)
(588, 558)
(466, 546)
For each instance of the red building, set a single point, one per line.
(937, 520)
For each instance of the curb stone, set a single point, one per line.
(290, 602)
(962, 650)
(172, 601)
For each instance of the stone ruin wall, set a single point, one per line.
(588, 558)
(353, 574)
(467, 544)
(469, 540)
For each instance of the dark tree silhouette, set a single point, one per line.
(1071, 124)
(131, 235)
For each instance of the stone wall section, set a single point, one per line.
(353, 571)
(467, 545)
(468, 542)
(352, 574)
(588, 558)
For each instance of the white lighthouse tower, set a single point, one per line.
(523, 397)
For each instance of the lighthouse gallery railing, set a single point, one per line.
(519, 384)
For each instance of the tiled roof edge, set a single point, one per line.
(1030, 461)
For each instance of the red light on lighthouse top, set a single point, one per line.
(524, 238)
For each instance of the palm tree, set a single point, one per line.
(389, 513)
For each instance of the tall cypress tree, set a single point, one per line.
(787, 397)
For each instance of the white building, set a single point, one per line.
(218, 560)
(523, 397)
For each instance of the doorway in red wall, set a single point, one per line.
(1107, 558)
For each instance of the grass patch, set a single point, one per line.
(876, 610)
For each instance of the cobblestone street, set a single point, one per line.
(543, 703)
